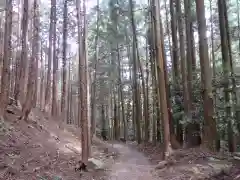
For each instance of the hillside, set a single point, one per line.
(40, 148)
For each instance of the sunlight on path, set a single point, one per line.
(132, 165)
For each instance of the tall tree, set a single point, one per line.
(94, 83)
(31, 86)
(83, 94)
(162, 88)
(42, 75)
(227, 70)
(187, 8)
(146, 88)
(187, 108)
(20, 81)
(64, 63)
(173, 139)
(135, 83)
(153, 56)
(55, 61)
(209, 128)
(120, 90)
(112, 28)
(151, 42)
(5, 77)
(175, 58)
(214, 70)
(50, 41)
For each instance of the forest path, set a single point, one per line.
(131, 165)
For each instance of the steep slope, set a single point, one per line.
(41, 149)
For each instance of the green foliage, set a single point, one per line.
(115, 29)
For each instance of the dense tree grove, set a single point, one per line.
(151, 71)
(178, 66)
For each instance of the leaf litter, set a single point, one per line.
(38, 149)
(43, 148)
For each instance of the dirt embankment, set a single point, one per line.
(194, 164)
(43, 149)
(46, 149)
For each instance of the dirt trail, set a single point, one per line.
(131, 165)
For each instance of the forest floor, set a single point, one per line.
(145, 162)
(192, 164)
(44, 149)
(41, 149)
(131, 165)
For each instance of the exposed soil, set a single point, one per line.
(194, 164)
(131, 164)
(41, 149)
(46, 149)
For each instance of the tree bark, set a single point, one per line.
(93, 98)
(209, 128)
(42, 78)
(64, 63)
(55, 62)
(31, 86)
(162, 88)
(50, 40)
(5, 78)
(83, 94)
(20, 82)
(135, 83)
(227, 70)
(187, 105)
